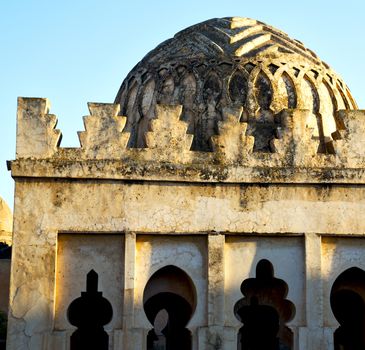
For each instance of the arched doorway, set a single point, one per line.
(169, 301)
(348, 306)
(264, 311)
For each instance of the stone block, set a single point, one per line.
(103, 136)
(232, 144)
(295, 144)
(36, 133)
(168, 138)
(349, 139)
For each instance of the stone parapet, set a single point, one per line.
(103, 131)
(294, 155)
(36, 136)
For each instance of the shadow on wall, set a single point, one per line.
(5, 256)
(264, 311)
(344, 290)
(348, 306)
(169, 301)
(90, 313)
(3, 329)
(170, 298)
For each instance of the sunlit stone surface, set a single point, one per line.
(219, 198)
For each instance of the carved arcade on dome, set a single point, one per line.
(233, 62)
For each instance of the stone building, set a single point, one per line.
(217, 204)
(6, 222)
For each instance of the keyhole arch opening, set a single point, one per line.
(169, 302)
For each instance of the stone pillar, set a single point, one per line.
(311, 338)
(128, 302)
(213, 336)
(32, 291)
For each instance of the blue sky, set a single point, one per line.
(78, 51)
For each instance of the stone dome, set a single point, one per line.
(232, 62)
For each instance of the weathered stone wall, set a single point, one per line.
(214, 215)
(76, 256)
(171, 207)
(260, 222)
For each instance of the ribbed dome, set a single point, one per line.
(232, 62)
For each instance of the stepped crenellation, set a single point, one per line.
(168, 140)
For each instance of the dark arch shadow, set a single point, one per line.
(264, 311)
(89, 313)
(169, 301)
(5, 254)
(348, 306)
